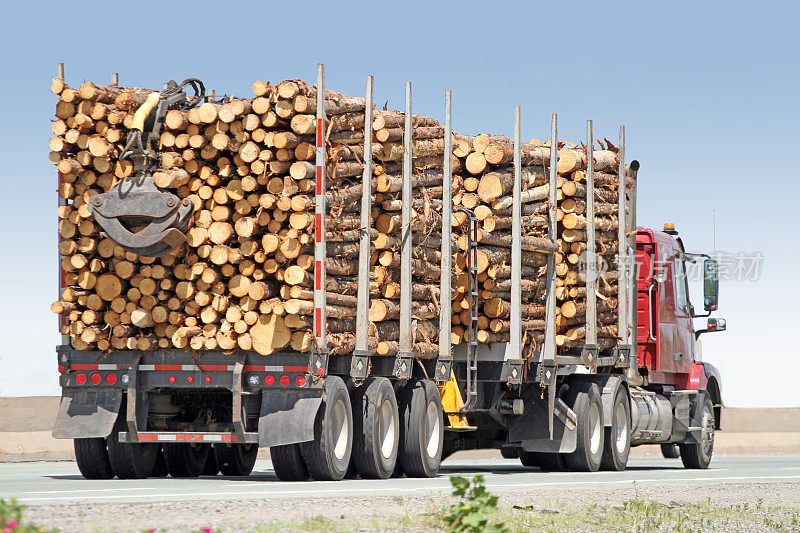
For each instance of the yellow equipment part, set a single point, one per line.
(144, 110)
(452, 402)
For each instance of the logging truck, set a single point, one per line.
(576, 405)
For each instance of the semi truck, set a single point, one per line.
(134, 414)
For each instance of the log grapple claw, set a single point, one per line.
(142, 218)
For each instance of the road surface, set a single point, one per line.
(60, 483)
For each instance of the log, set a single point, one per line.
(270, 335)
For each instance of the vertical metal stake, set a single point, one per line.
(549, 349)
(360, 361)
(404, 352)
(445, 285)
(320, 305)
(590, 344)
(622, 259)
(62, 320)
(515, 348)
(115, 78)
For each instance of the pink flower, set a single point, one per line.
(207, 529)
(12, 523)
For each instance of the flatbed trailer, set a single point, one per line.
(141, 413)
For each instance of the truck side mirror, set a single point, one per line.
(714, 324)
(710, 286)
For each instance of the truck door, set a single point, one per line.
(667, 319)
(683, 344)
(647, 302)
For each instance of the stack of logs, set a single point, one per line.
(245, 278)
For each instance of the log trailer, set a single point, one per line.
(134, 414)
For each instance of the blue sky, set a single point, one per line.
(707, 91)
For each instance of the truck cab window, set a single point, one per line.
(681, 294)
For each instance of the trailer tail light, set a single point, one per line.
(300, 381)
(269, 379)
(285, 380)
(172, 379)
(207, 379)
(189, 379)
(111, 378)
(61, 369)
(80, 378)
(96, 378)
(125, 378)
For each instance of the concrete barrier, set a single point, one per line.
(26, 422)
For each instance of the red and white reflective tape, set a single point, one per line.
(320, 314)
(192, 368)
(187, 437)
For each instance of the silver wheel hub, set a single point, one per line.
(595, 429)
(707, 433)
(431, 430)
(621, 424)
(340, 431)
(386, 428)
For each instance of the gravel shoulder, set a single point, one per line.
(729, 506)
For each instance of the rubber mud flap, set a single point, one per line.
(287, 416)
(86, 413)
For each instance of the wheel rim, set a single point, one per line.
(386, 428)
(340, 429)
(595, 429)
(621, 424)
(431, 430)
(707, 433)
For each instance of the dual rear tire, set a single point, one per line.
(375, 432)
(598, 447)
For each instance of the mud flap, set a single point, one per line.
(87, 413)
(287, 417)
(531, 429)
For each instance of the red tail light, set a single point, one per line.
(285, 380)
(269, 379)
(207, 379)
(300, 380)
(189, 379)
(80, 378)
(111, 379)
(61, 369)
(96, 378)
(172, 379)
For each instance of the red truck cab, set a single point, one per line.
(666, 338)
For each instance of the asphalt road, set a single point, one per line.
(61, 483)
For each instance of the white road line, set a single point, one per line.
(311, 493)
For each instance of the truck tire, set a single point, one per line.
(547, 462)
(699, 455)
(288, 462)
(211, 467)
(328, 455)
(130, 461)
(186, 460)
(510, 453)
(376, 429)
(528, 459)
(670, 451)
(618, 434)
(584, 399)
(421, 428)
(235, 459)
(160, 467)
(92, 458)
